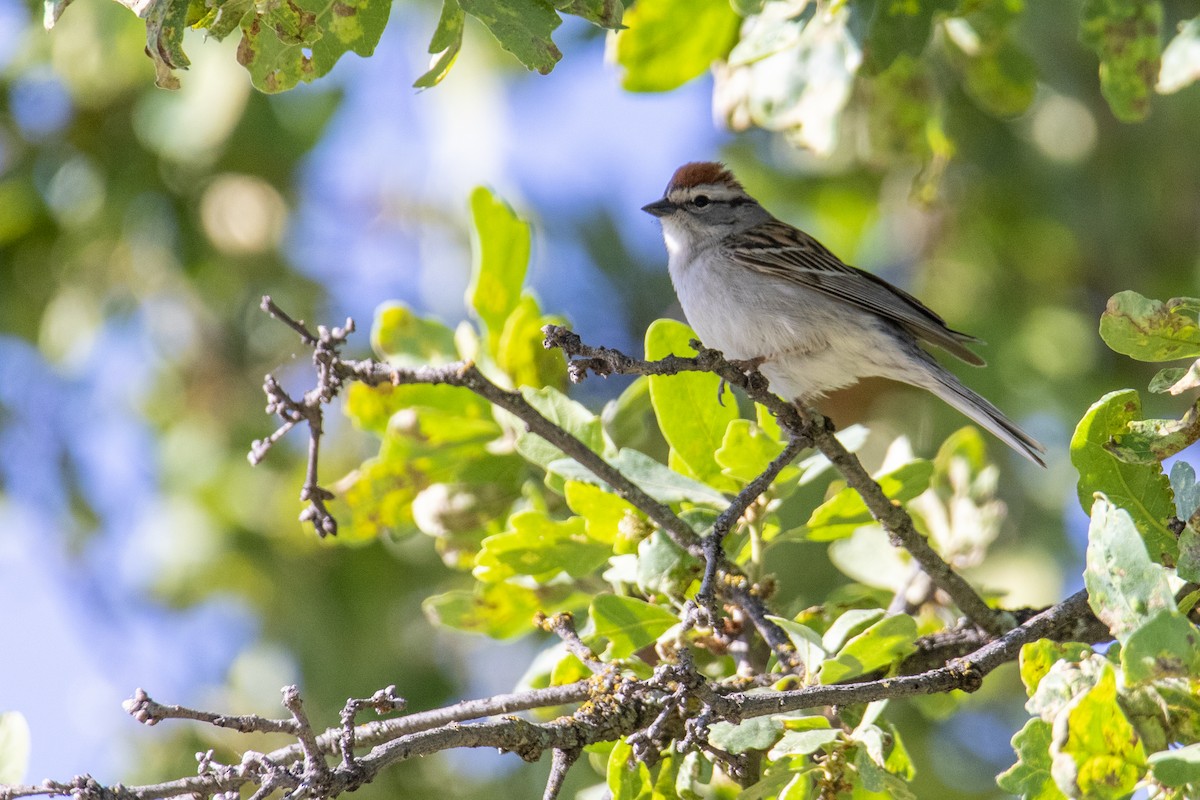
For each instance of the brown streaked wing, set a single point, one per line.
(809, 264)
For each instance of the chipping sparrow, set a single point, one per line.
(754, 287)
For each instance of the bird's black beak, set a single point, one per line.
(659, 208)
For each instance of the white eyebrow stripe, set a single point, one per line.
(717, 192)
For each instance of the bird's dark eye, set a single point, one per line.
(701, 200)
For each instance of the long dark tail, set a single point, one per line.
(950, 389)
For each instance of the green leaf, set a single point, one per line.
(1126, 35)
(166, 20)
(1030, 776)
(1186, 489)
(1149, 441)
(756, 733)
(847, 625)
(1038, 657)
(1181, 58)
(14, 747)
(1188, 567)
(746, 450)
(500, 241)
(434, 414)
(663, 567)
(658, 481)
(805, 742)
(997, 74)
(691, 419)
(1176, 380)
(840, 515)
(603, 511)
(1151, 330)
(379, 495)
(1177, 767)
(605, 13)
(447, 41)
(886, 642)
(522, 27)
(670, 42)
(626, 776)
(627, 624)
(1141, 489)
(498, 610)
(404, 339)
(792, 71)
(519, 351)
(288, 41)
(569, 415)
(808, 644)
(899, 29)
(1125, 588)
(1168, 646)
(1099, 754)
(541, 548)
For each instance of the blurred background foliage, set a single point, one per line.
(990, 176)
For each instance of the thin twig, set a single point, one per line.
(561, 763)
(892, 516)
(713, 550)
(563, 626)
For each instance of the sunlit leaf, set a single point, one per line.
(1098, 753)
(404, 339)
(1038, 657)
(519, 351)
(1126, 35)
(602, 511)
(658, 481)
(444, 47)
(1177, 767)
(841, 514)
(541, 548)
(1168, 646)
(746, 450)
(1030, 777)
(627, 624)
(756, 733)
(670, 42)
(884, 643)
(289, 41)
(1125, 588)
(686, 405)
(627, 777)
(1141, 489)
(1151, 330)
(791, 72)
(499, 610)
(569, 415)
(1181, 59)
(500, 242)
(1148, 441)
(14, 747)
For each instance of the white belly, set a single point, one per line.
(812, 344)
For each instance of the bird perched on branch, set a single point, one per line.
(757, 288)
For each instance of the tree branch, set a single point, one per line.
(892, 516)
(675, 704)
